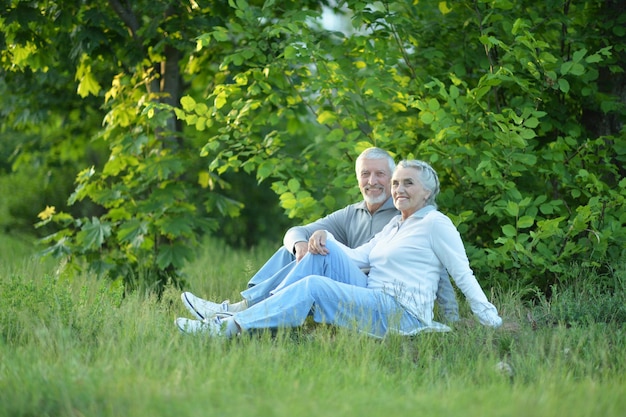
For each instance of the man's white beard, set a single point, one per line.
(376, 200)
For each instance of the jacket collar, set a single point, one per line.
(387, 205)
(421, 213)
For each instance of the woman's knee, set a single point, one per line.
(332, 246)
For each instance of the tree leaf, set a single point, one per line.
(427, 117)
(443, 7)
(188, 103)
(92, 234)
(88, 85)
(221, 100)
(326, 117)
(525, 222)
(291, 52)
(220, 34)
(509, 230)
(133, 232)
(174, 254)
(512, 208)
(176, 225)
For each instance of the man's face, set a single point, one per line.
(374, 180)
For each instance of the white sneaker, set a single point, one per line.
(213, 327)
(203, 309)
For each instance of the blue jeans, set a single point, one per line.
(280, 265)
(286, 273)
(334, 290)
(282, 258)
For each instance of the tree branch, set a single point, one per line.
(127, 16)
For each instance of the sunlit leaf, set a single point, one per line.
(188, 103)
(443, 7)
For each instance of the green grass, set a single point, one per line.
(74, 346)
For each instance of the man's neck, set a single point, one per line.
(372, 208)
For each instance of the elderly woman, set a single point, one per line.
(398, 294)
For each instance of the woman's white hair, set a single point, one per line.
(427, 176)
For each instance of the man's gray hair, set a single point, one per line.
(375, 153)
(427, 177)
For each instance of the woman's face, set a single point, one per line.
(408, 193)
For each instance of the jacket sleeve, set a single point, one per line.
(449, 248)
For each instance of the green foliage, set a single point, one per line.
(153, 213)
(538, 190)
(505, 107)
(148, 195)
(143, 194)
(264, 108)
(518, 105)
(44, 142)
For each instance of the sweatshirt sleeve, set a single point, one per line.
(449, 248)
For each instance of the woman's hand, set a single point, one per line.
(317, 243)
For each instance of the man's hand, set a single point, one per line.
(317, 243)
(301, 249)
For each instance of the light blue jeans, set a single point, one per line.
(279, 266)
(334, 291)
